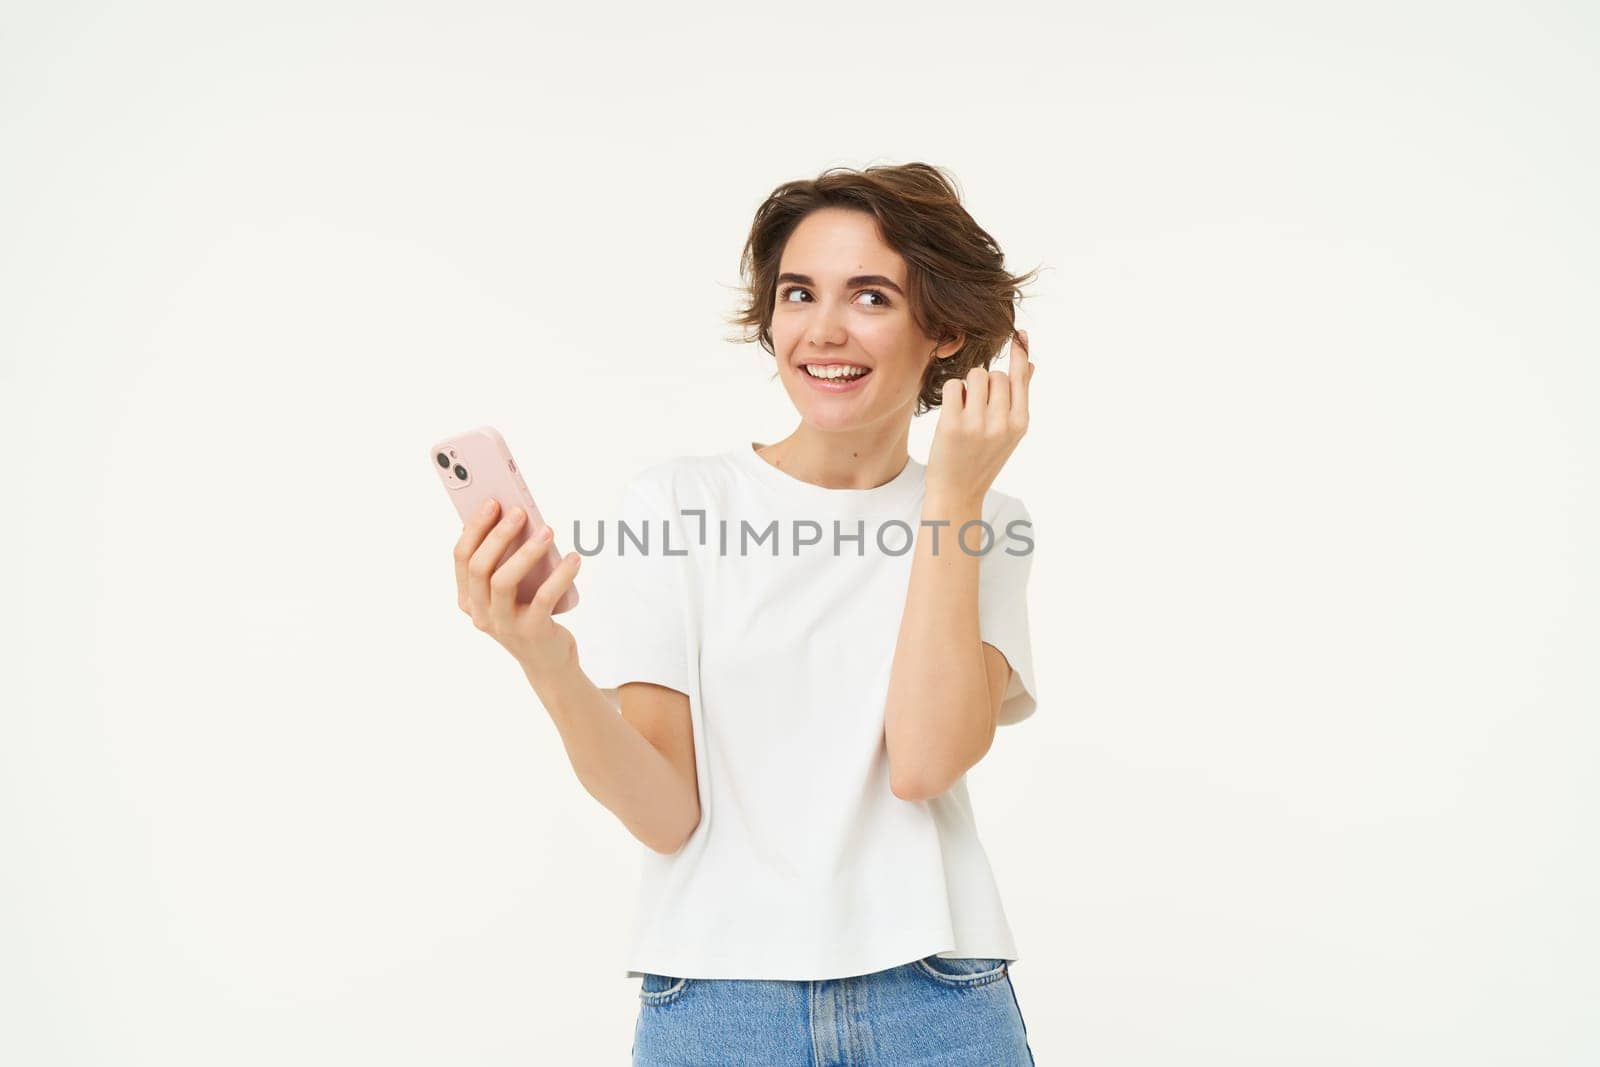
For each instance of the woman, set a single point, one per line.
(797, 718)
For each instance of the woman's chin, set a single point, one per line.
(839, 411)
(835, 416)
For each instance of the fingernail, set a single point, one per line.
(486, 507)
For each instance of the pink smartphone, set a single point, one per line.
(477, 465)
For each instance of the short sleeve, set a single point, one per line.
(639, 630)
(1003, 605)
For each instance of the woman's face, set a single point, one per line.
(841, 300)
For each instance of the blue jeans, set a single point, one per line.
(950, 1012)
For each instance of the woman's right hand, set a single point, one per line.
(488, 593)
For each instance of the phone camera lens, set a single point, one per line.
(461, 472)
(444, 460)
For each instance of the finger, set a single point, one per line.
(999, 413)
(1021, 371)
(553, 588)
(472, 532)
(508, 576)
(484, 561)
(977, 394)
(1021, 356)
(951, 400)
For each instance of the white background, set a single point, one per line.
(1312, 471)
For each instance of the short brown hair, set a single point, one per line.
(956, 285)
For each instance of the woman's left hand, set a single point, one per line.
(982, 417)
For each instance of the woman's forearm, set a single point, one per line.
(616, 764)
(936, 718)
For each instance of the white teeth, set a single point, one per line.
(834, 371)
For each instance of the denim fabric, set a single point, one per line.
(949, 1012)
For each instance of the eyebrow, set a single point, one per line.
(850, 283)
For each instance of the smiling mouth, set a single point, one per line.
(835, 372)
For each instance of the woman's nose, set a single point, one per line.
(827, 327)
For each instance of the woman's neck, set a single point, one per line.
(845, 460)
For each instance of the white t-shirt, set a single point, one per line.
(804, 864)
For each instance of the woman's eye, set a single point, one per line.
(783, 295)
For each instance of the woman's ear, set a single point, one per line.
(951, 347)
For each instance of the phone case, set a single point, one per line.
(476, 465)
